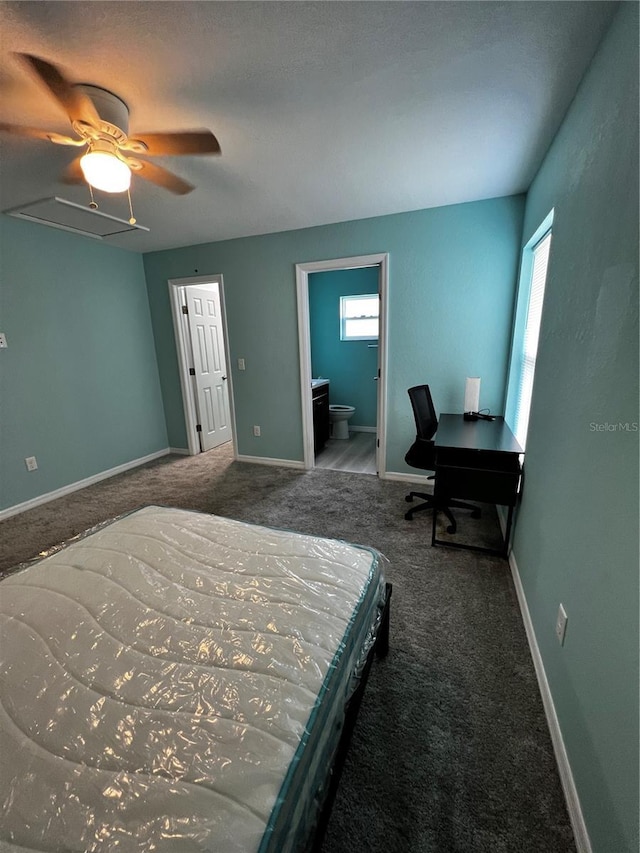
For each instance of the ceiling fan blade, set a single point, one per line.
(174, 143)
(73, 174)
(77, 105)
(161, 177)
(37, 133)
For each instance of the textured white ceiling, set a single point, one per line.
(325, 111)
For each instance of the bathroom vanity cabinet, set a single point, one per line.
(321, 427)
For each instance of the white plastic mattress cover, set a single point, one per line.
(159, 675)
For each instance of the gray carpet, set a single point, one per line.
(451, 752)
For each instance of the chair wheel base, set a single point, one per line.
(409, 499)
(451, 528)
(477, 513)
(408, 516)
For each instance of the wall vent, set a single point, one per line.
(60, 213)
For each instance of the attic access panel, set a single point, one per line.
(68, 216)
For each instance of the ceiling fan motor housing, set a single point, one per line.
(113, 111)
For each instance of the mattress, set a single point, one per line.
(174, 681)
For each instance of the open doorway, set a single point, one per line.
(197, 307)
(374, 430)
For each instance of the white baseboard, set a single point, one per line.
(268, 460)
(81, 484)
(180, 451)
(362, 429)
(581, 835)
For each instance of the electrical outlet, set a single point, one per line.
(3, 341)
(561, 624)
(256, 431)
(31, 463)
(241, 365)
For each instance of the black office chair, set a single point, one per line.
(422, 455)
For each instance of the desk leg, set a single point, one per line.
(434, 519)
(507, 533)
(497, 552)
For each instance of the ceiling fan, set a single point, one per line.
(101, 121)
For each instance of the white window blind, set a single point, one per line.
(359, 317)
(531, 336)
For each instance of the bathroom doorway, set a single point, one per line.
(355, 367)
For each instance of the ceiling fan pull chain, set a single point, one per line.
(132, 219)
(93, 204)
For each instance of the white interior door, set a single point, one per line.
(209, 364)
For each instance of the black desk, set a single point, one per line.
(477, 461)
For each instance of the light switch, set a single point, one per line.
(3, 341)
(241, 364)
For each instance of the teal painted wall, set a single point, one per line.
(350, 365)
(576, 540)
(79, 385)
(452, 280)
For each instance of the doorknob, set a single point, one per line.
(376, 378)
(224, 377)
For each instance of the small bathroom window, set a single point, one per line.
(359, 317)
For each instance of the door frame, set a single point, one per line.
(381, 261)
(183, 352)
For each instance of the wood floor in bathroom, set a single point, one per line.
(357, 454)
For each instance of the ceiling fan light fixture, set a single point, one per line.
(106, 172)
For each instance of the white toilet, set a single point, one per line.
(339, 418)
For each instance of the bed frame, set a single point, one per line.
(379, 649)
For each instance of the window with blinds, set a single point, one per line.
(531, 335)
